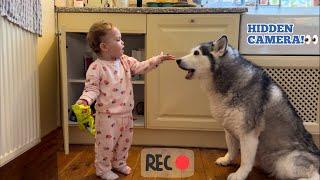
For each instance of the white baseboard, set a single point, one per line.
(174, 138)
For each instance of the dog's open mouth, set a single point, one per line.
(190, 72)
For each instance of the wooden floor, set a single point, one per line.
(79, 164)
(47, 161)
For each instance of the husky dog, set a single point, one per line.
(256, 115)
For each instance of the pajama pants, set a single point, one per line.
(112, 141)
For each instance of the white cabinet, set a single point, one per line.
(173, 101)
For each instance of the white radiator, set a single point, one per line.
(19, 93)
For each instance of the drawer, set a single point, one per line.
(194, 28)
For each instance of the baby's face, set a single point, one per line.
(114, 43)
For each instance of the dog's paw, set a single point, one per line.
(223, 161)
(236, 176)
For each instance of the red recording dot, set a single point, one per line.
(182, 162)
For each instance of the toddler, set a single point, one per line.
(108, 82)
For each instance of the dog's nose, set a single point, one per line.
(178, 61)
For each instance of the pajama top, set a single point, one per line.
(109, 83)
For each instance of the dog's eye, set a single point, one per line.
(196, 53)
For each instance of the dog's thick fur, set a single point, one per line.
(257, 117)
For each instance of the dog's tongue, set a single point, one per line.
(189, 75)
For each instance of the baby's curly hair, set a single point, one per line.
(96, 32)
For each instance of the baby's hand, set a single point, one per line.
(82, 101)
(166, 57)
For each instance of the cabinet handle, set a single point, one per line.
(192, 20)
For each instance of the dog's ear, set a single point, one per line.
(220, 46)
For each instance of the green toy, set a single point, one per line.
(84, 117)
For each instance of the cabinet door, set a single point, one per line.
(64, 88)
(172, 101)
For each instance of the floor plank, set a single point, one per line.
(213, 171)
(216, 172)
(80, 165)
(64, 161)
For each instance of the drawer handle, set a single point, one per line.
(192, 21)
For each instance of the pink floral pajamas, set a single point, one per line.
(113, 140)
(109, 83)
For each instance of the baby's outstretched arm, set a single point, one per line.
(138, 67)
(91, 89)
